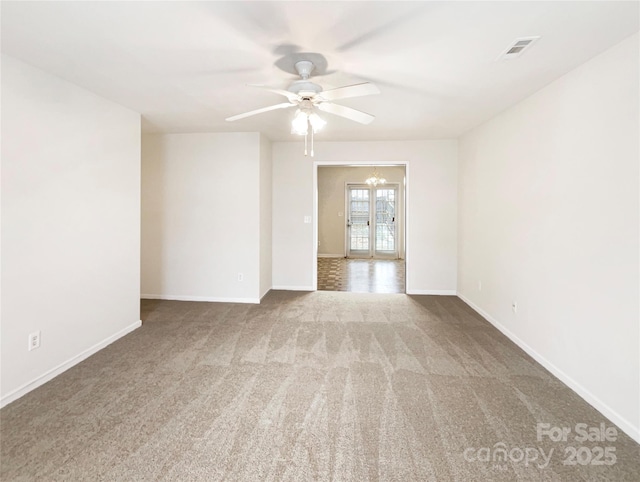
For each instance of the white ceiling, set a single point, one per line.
(184, 65)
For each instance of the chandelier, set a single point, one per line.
(304, 121)
(375, 178)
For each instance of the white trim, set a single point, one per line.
(345, 221)
(587, 396)
(314, 228)
(64, 366)
(405, 227)
(330, 255)
(433, 292)
(210, 299)
(294, 288)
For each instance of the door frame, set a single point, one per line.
(405, 206)
(372, 217)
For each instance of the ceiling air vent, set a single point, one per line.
(516, 48)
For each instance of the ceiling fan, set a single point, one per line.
(308, 96)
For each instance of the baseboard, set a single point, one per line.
(433, 292)
(209, 299)
(264, 294)
(330, 255)
(54, 372)
(294, 288)
(587, 396)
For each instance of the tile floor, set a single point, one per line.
(361, 275)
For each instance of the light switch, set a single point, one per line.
(340, 213)
(307, 219)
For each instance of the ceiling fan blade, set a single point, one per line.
(355, 90)
(348, 112)
(289, 95)
(260, 111)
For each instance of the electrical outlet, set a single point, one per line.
(479, 285)
(240, 277)
(34, 340)
(514, 306)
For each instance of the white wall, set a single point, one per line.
(266, 180)
(201, 216)
(548, 217)
(332, 219)
(70, 224)
(431, 208)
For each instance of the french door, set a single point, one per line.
(371, 221)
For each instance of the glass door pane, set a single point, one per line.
(358, 222)
(385, 225)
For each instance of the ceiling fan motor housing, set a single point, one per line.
(302, 87)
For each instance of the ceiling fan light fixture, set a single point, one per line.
(302, 120)
(316, 122)
(300, 124)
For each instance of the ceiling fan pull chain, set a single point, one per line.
(311, 141)
(305, 143)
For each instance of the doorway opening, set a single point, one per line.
(360, 229)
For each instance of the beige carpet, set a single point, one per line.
(306, 386)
